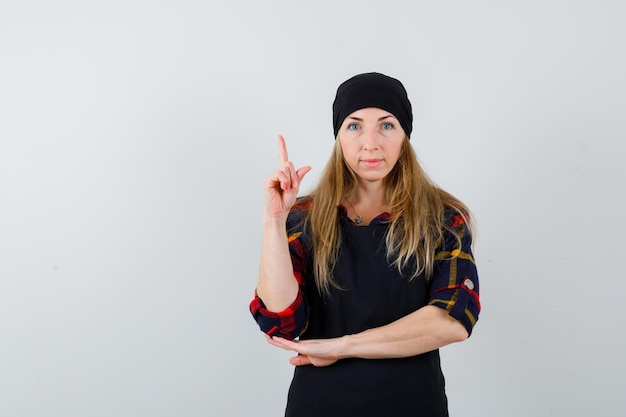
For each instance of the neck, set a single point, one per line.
(367, 202)
(369, 194)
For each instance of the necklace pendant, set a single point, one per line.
(358, 220)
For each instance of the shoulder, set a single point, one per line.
(455, 217)
(455, 212)
(457, 229)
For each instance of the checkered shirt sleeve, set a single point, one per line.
(454, 285)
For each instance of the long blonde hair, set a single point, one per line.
(417, 219)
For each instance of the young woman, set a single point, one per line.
(372, 272)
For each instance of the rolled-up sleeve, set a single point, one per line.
(291, 322)
(454, 285)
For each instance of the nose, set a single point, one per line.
(371, 139)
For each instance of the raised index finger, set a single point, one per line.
(282, 150)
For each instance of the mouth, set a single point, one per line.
(372, 163)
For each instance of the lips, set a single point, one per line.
(371, 163)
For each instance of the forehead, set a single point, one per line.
(370, 113)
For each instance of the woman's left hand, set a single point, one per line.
(318, 352)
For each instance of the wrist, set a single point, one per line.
(275, 220)
(345, 346)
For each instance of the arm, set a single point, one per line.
(426, 329)
(278, 304)
(422, 331)
(288, 322)
(277, 285)
(450, 316)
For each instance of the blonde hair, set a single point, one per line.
(416, 226)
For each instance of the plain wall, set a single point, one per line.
(134, 139)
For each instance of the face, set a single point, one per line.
(371, 140)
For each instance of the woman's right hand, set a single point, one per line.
(281, 186)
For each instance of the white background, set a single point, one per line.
(134, 138)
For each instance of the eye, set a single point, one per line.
(387, 126)
(353, 126)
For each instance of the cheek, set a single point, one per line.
(347, 148)
(396, 152)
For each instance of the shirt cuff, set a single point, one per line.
(289, 323)
(461, 301)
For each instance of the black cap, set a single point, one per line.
(372, 90)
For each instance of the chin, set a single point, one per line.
(371, 177)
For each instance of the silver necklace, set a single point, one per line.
(358, 219)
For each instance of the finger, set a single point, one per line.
(300, 360)
(301, 172)
(272, 341)
(294, 177)
(283, 343)
(291, 173)
(288, 166)
(284, 178)
(295, 180)
(278, 342)
(273, 179)
(297, 176)
(282, 150)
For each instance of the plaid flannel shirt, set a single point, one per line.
(453, 286)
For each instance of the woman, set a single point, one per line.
(373, 271)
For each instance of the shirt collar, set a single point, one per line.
(382, 218)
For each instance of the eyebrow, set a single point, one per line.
(358, 119)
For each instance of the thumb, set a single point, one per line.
(300, 360)
(301, 172)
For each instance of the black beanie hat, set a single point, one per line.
(372, 90)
